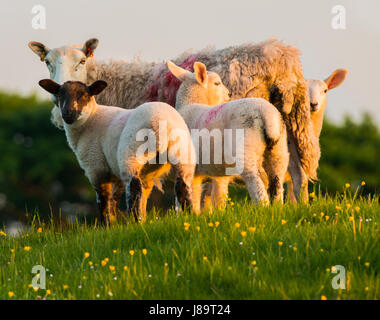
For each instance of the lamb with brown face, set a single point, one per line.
(104, 140)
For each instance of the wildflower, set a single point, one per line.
(347, 185)
(186, 224)
(351, 218)
(12, 250)
(90, 263)
(333, 268)
(131, 252)
(338, 208)
(27, 248)
(35, 289)
(65, 287)
(2, 233)
(204, 258)
(144, 251)
(232, 203)
(253, 262)
(114, 251)
(198, 228)
(322, 214)
(348, 205)
(283, 221)
(367, 264)
(294, 248)
(280, 243)
(48, 291)
(237, 225)
(327, 218)
(363, 183)
(86, 255)
(323, 298)
(10, 294)
(328, 270)
(125, 268)
(320, 250)
(217, 223)
(39, 230)
(366, 289)
(210, 224)
(312, 195)
(357, 209)
(103, 263)
(30, 285)
(106, 259)
(112, 268)
(84, 278)
(252, 229)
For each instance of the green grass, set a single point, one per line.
(314, 238)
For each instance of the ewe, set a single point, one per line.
(108, 143)
(264, 135)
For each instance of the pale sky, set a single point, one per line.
(162, 29)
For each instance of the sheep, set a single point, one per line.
(107, 143)
(318, 99)
(270, 70)
(264, 134)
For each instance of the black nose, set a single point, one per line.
(230, 94)
(313, 106)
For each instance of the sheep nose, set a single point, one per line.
(229, 94)
(313, 105)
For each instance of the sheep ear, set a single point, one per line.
(90, 46)
(39, 49)
(50, 86)
(336, 78)
(97, 87)
(178, 72)
(200, 72)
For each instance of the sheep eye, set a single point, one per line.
(47, 62)
(83, 61)
(217, 83)
(326, 91)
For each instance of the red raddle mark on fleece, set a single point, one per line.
(209, 115)
(167, 84)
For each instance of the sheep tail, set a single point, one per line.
(272, 128)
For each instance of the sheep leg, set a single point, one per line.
(255, 186)
(290, 191)
(277, 166)
(118, 189)
(219, 192)
(206, 197)
(299, 178)
(196, 187)
(103, 199)
(134, 195)
(146, 190)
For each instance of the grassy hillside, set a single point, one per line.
(247, 252)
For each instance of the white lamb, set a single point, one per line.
(318, 100)
(265, 139)
(104, 141)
